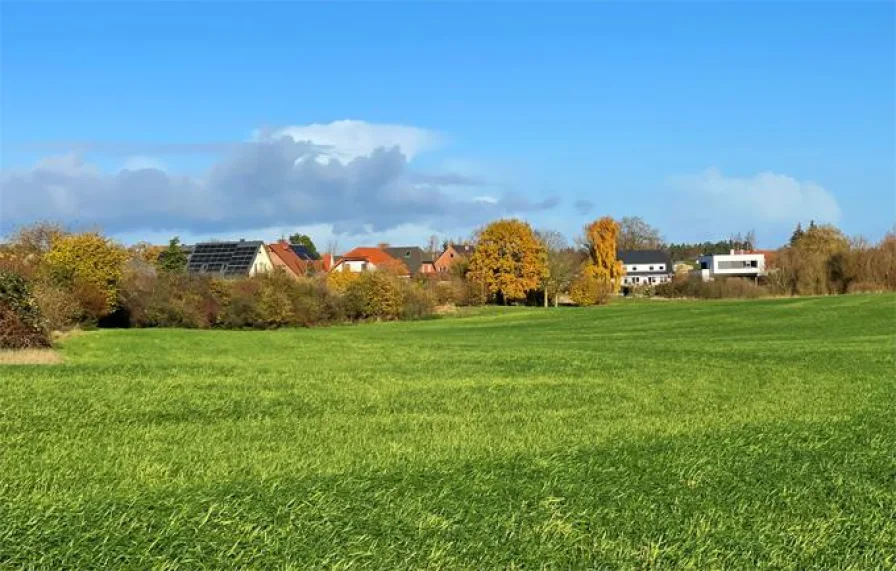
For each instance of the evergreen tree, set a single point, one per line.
(797, 234)
(173, 259)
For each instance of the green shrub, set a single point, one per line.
(240, 307)
(417, 302)
(160, 299)
(720, 288)
(589, 290)
(374, 295)
(58, 306)
(21, 324)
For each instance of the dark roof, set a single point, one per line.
(302, 252)
(225, 258)
(412, 256)
(643, 257)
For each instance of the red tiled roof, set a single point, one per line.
(282, 251)
(375, 256)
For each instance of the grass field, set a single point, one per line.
(707, 434)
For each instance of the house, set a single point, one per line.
(367, 259)
(737, 263)
(283, 256)
(326, 263)
(453, 253)
(645, 267)
(416, 260)
(230, 259)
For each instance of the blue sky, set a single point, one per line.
(703, 118)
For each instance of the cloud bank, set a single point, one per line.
(766, 201)
(352, 175)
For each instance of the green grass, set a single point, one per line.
(705, 434)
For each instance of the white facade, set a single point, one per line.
(262, 262)
(646, 274)
(353, 266)
(735, 265)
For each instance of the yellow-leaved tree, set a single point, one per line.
(602, 272)
(600, 237)
(509, 260)
(89, 265)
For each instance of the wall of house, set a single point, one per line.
(278, 263)
(645, 279)
(734, 264)
(262, 262)
(448, 257)
(354, 266)
(659, 267)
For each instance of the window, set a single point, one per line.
(634, 268)
(407, 254)
(651, 268)
(662, 267)
(650, 279)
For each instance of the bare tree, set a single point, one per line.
(636, 234)
(433, 247)
(563, 262)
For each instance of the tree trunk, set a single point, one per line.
(546, 297)
(557, 299)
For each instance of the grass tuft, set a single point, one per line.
(29, 357)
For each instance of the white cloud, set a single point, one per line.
(138, 162)
(349, 139)
(765, 200)
(276, 181)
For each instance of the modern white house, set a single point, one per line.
(645, 267)
(734, 264)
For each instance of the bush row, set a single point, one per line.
(159, 299)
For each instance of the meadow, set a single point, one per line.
(713, 434)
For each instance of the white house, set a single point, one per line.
(243, 258)
(645, 267)
(368, 259)
(734, 264)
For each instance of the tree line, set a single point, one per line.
(54, 279)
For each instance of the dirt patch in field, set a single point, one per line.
(30, 357)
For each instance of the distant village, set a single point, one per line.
(642, 267)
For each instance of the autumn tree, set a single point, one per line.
(173, 259)
(813, 263)
(600, 242)
(636, 234)
(89, 265)
(145, 252)
(509, 261)
(562, 263)
(305, 240)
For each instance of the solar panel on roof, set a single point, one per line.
(226, 258)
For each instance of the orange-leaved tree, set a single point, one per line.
(600, 239)
(509, 260)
